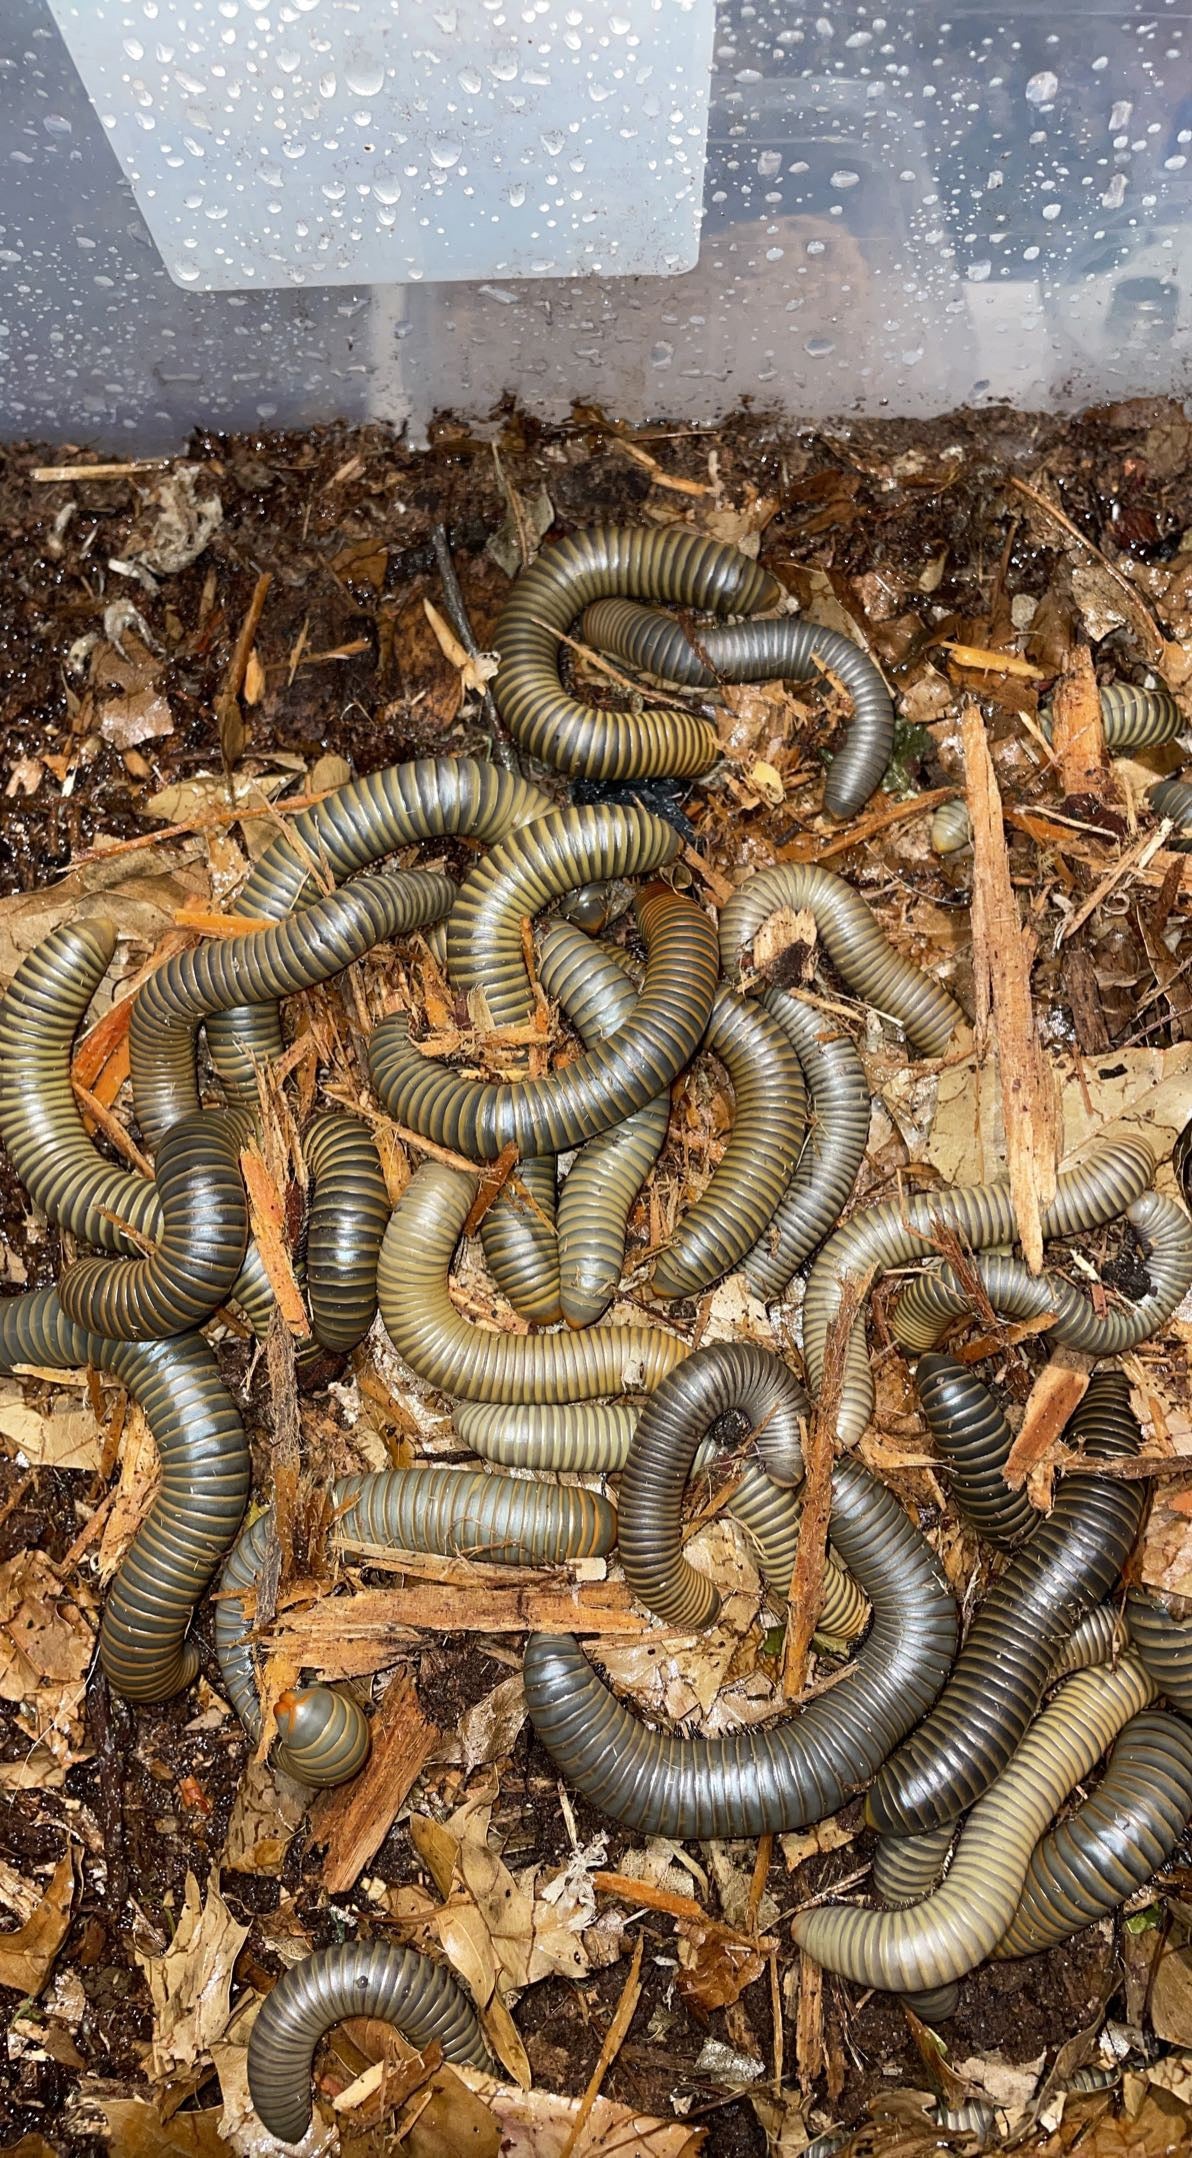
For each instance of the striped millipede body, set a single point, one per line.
(599, 1088)
(973, 1438)
(261, 967)
(727, 1379)
(608, 1172)
(1113, 1843)
(666, 564)
(972, 2117)
(564, 850)
(1100, 1636)
(929, 1303)
(520, 876)
(954, 1929)
(1132, 717)
(429, 798)
(205, 1473)
(862, 956)
(1112, 1174)
(787, 649)
(907, 1868)
(357, 1978)
(1164, 1643)
(346, 1219)
(596, 1436)
(1173, 798)
(1070, 1564)
(755, 1782)
(503, 1520)
(821, 1187)
(951, 828)
(204, 1235)
(769, 1122)
(443, 1348)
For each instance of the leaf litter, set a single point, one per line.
(289, 628)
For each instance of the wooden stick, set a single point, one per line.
(111, 1128)
(614, 2039)
(1132, 603)
(55, 473)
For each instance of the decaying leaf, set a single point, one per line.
(190, 1986)
(137, 2126)
(139, 1476)
(714, 1967)
(1171, 1996)
(265, 1813)
(489, 1729)
(63, 1435)
(46, 1646)
(27, 1956)
(140, 901)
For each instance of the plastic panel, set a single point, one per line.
(906, 208)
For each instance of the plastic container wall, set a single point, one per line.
(906, 208)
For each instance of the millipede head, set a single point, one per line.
(323, 1734)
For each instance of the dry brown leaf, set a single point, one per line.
(537, 2124)
(46, 1646)
(1002, 953)
(825, 1836)
(139, 901)
(64, 1435)
(474, 674)
(489, 1729)
(141, 715)
(139, 1474)
(265, 1813)
(714, 1969)
(190, 1986)
(1170, 2003)
(135, 2128)
(27, 1956)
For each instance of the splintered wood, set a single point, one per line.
(1002, 954)
(354, 1821)
(1078, 733)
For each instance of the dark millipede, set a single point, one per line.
(197, 1510)
(359, 1978)
(787, 649)
(1069, 1565)
(663, 563)
(599, 1088)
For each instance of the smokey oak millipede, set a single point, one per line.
(664, 563)
(1110, 1175)
(1070, 1564)
(801, 1769)
(788, 649)
(468, 1361)
(953, 1930)
(358, 1978)
(599, 1088)
(972, 1437)
(197, 1509)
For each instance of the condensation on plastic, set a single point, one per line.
(906, 208)
(337, 142)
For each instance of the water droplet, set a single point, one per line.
(365, 80)
(504, 69)
(517, 194)
(327, 83)
(134, 48)
(334, 190)
(979, 272)
(1119, 116)
(289, 62)
(386, 190)
(445, 152)
(1051, 210)
(471, 80)
(769, 164)
(844, 178)
(552, 140)
(186, 273)
(56, 123)
(662, 353)
(1042, 87)
(818, 348)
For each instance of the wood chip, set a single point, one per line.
(981, 660)
(1057, 1390)
(810, 848)
(354, 1820)
(1002, 954)
(1077, 727)
(347, 1639)
(267, 1216)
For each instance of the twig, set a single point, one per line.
(809, 848)
(614, 2039)
(1136, 610)
(111, 1128)
(127, 470)
(232, 734)
(504, 752)
(1135, 857)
